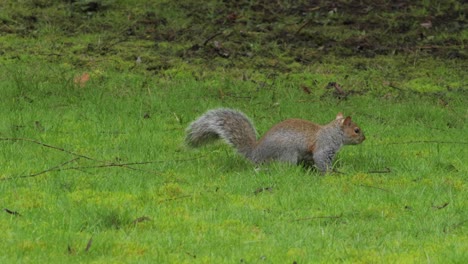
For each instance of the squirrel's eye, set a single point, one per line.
(356, 130)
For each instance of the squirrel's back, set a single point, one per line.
(290, 140)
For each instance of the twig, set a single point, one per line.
(307, 22)
(104, 164)
(212, 37)
(426, 141)
(70, 250)
(141, 219)
(125, 165)
(108, 165)
(48, 146)
(88, 246)
(175, 198)
(370, 186)
(319, 217)
(303, 26)
(391, 85)
(55, 168)
(80, 168)
(385, 170)
(438, 47)
(454, 226)
(338, 89)
(11, 212)
(442, 206)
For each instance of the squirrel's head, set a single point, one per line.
(353, 135)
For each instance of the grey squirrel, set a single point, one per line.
(293, 140)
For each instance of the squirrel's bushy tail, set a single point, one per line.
(231, 125)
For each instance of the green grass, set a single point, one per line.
(205, 205)
(100, 173)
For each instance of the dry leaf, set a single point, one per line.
(81, 80)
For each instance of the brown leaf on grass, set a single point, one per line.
(141, 219)
(338, 90)
(442, 102)
(82, 79)
(232, 17)
(305, 89)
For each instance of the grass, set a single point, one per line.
(99, 172)
(210, 205)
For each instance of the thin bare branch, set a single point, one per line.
(175, 198)
(319, 217)
(88, 245)
(48, 146)
(211, 37)
(55, 168)
(425, 142)
(11, 212)
(141, 219)
(101, 163)
(385, 170)
(374, 187)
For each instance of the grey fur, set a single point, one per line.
(329, 141)
(293, 140)
(232, 126)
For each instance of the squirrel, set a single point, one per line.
(295, 141)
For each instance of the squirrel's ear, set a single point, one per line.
(339, 116)
(347, 121)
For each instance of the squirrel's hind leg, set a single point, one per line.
(289, 157)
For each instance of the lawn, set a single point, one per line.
(93, 162)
